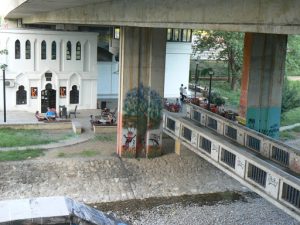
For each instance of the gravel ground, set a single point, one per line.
(252, 211)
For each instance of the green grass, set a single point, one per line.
(13, 137)
(85, 153)
(111, 137)
(291, 117)
(88, 153)
(15, 155)
(286, 135)
(220, 68)
(232, 98)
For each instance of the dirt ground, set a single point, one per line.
(103, 146)
(99, 146)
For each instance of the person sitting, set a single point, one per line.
(50, 114)
(39, 116)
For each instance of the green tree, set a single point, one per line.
(3, 52)
(290, 96)
(293, 56)
(227, 46)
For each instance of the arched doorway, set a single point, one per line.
(48, 98)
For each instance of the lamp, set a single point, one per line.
(3, 67)
(210, 73)
(196, 79)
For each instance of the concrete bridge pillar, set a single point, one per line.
(262, 81)
(142, 71)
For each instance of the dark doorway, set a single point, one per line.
(48, 98)
(74, 95)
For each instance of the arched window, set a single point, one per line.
(27, 50)
(43, 50)
(17, 49)
(78, 51)
(74, 95)
(69, 50)
(53, 50)
(21, 96)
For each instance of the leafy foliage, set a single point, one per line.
(217, 99)
(227, 46)
(290, 96)
(293, 56)
(3, 52)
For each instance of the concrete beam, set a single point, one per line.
(267, 16)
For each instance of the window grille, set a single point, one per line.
(69, 51)
(78, 51)
(17, 49)
(231, 132)
(27, 50)
(256, 174)
(291, 195)
(197, 116)
(280, 156)
(53, 50)
(253, 143)
(205, 144)
(170, 124)
(212, 123)
(43, 50)
(228, 158)
(187, 133)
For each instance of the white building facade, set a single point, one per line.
(49, 69)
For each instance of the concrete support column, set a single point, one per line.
(177, 146)
(262, 81)
(142, 70)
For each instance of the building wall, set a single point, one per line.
(177, 67)
(176, 72)
(108, 80)
(65, 73)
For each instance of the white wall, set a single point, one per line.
(176, 72)
(108, 80)
(177, 67)
(30, 72)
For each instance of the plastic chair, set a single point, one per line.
(73, 112)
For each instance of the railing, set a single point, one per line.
(268, 147)
(272, 182)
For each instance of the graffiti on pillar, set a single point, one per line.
(272, 131)
(129, 141)
(251, 123)
(142, 111)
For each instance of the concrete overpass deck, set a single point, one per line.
(264, 165)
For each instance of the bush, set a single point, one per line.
(217, 99)
(290, 96)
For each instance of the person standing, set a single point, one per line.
(181, 92)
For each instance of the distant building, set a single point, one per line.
(49, 68)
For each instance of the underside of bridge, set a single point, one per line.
(266, 23)
(272, 16)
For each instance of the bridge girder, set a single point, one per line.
(267, 16)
